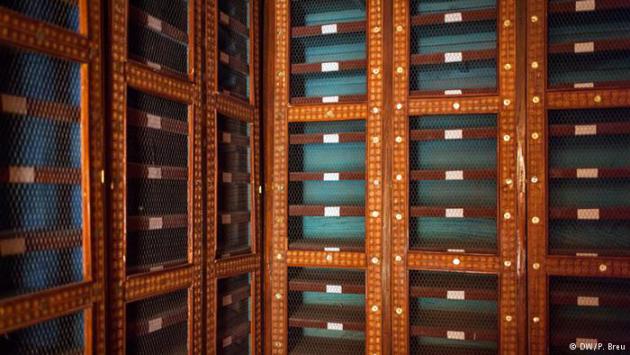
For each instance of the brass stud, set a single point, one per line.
(399, 70)
(507, 263)
(398, 258)
(597, 99)
(508, 318)
(399, 310)
(507, 23)
(534, 65)
(507, 137)
(534, 179)
(535, 135)
(536, 319)
(278, 296)
(375, 139)
(399, 177)
(281, 73)
(374, 308)
(375, 260)
(534, 19)
(376, 29)
(508, 66)
(399, 216)
(509, 181)
(374, 214)
(399, 106)
(330, 114)
(535, 220)
(456, 105)
(456, 261)
(329, 257)
(399, 139)
(603, 267)
(278, 344)
(536, 266)
(279, 187)
(376, 110)
(507, 215)
(279, 256)
(399, 28)
(536, 99)
(376, 182)
(507, 102)
(375, 71)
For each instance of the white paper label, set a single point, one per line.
(227, 341)
(334, 289)
(14, 104)
(328, 29)
(156, 268)
(453, 17)
(154, 65)
(156, 223)
(331, 176)
(154, 121)
(154, 23)
(224, 57)
(334, 326)
(588, 301)
(226, 300)
(155, 324)
(330, 66)
(585, 130)
(454, 213)
(15, 246)
(19, 174)
(226, 219)
(453, 134)
(331, 249)
(585, 341)
(456, 295)
(227, 177)
(154, 172)
(330, 99)
(584, 47)
(225, 18)
(452, 92)
(587, 173)
(331, 138)
(453, 57)
(332, 211)
(455, 250)
(584, 5)
(454, 175)
(587, 255)
(451, 334)
(584, 85)
(588, 213)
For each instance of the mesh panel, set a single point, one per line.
(234, 195)
(589, 182)
(234, 48)
(62, 13)
(40, 172)
(64, 335)
(158, 325)
(452, 184)
(588, 312)
(326, 311)
(453, 47)
(327, 185)
(589, 44)
(234, 316)
(158, 34)
(328, 51)
(453, 313)
(157, 188)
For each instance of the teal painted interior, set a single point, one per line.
(589, 26)
(335, 228)
(589, 235)
(589, 151)
(454, 37)
(328, 48)
(334, 334)
(332, 193)
(328, 127)
(441, 304)
(311, 13)
(468, 193)
(453, 155)
(452, 233)
(431, 6)
(332, 299)
(589, 68)
(590, 193)
(344, 83)
(452, 121)
(480, 74)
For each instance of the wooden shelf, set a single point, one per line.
(590, 297)
(320, 210)
(581, 252)
(229, 297)
(455, 293)
(234, 63)
(452, 134)
(315, 100)
(26, 106)
(22, 242)
(613, 213)
(40, 175)
(326, 138)
(156, 172)
(139, 269)
(146, 120)
(596, 129)
(330, 176)
(328, 29)
(157, 25)
(319, 316)
(234, 177)
(332, 244)
(138, 223)
(619, 84)
(476, 174)
(589, 329)
(454, 16)
(307, 345)
(234, 139)
(569, 6)
(464, 326)
(586, 47)
(454, 92)
(459, 350)
(161, 68)
(589, 173)
(226, 252)
(306, 68)
(308, 280)
(448, 212)
(235, 335)
(157, 322)
(233, 24)
(452, 57)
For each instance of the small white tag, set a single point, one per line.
(453, 17)
(154, 23)
(226, 300)
(453, 57)
(155, 324)
(334, 289)
(584, 47)
(453, 134)
(154, 172)
(227, 341)
(154, 65)
(456, 295)
(330, 99)
(19, 174)
(585, 130)
(587, 255)
(225, 18)
(328, 29)
(14, 246)
(334, 211)
(156, 268)
(455, 250)
(588, 213)
(227, 137)
(226, 219)
(331, 176)
(584, 5)
(587, 173)
(334, 326)
(583, 85)
(224, 57)
(330, 66)
(331, 138)
(452, 92)
(451, 334)
(454, 213)
(585, 341)
(156, 223)
(154, 121)
(588, 301)
(454, 175)
(227, 177)
(332, 249)
(14, 104)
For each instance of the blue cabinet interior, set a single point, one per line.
(234, 48)
(234, 315)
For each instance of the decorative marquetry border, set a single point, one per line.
(85, 47)
(326, 259)
(332, 112)
(186, 89)
(417, 260)
(483, 104)
(238, 265)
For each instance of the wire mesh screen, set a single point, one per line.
(235, 188)
(326, 311)
(158, 325)
(453, 46)
(64, 335)
(589, 44)
(452, 188)
(589, 182)
(41, 217)
(62, 13)
(327, 185)
(234, 47)
(328, 51)
(234, 315)
(453, 313)
(589, 314)
(158, 34)
(157, 187)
